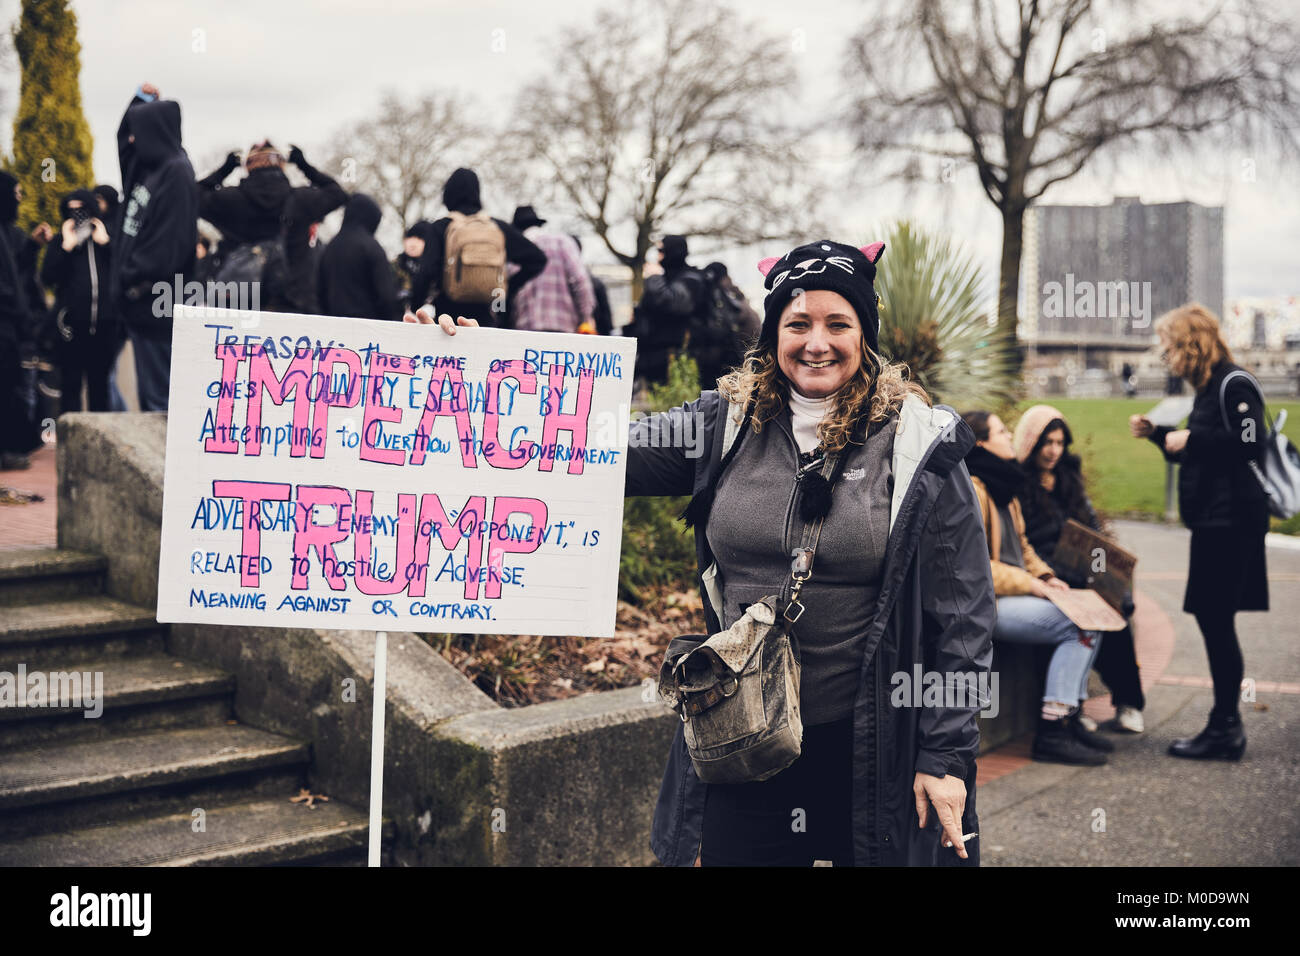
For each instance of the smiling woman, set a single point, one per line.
(822, 451)
(860, 473)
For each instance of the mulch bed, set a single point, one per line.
(516, 670)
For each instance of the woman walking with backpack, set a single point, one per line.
(1224, 505)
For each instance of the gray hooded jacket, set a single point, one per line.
(935, 609)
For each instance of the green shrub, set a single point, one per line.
(658, 552)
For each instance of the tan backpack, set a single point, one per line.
(475, 264)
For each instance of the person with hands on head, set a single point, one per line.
(1025, 613)
(1223, 504)
(901, 579)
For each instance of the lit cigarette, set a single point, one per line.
(965, 838)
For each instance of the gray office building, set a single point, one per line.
(1098, 276)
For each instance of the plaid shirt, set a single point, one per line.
(561, 297)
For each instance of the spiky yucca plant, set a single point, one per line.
(935, 317)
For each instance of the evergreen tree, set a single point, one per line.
(52, 144)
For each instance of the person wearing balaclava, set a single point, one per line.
(355, 278)
(155, 238)
(461, 195)
(77, 265)
(674, 296)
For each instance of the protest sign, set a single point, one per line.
(347, 473)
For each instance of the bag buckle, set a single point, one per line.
(801, 566)
(791, 607)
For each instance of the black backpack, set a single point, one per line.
(263, 262)
(719, 333)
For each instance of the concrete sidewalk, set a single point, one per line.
(1145, 808)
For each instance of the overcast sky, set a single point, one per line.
(295, 71)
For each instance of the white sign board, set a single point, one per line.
(348, 473)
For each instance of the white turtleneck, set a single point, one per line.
(805, 415)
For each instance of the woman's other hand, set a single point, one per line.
(1140, 426)
(948, 794)
(424, 316)
(98, 234)
(1176, 441)
(1057, 583)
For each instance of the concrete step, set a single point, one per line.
(52, 632)
(48, 574)
(138, 694)
(84, 783)
(246, 833)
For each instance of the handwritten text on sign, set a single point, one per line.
(343, 473)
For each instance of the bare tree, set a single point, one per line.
(666, 116)
(403, 155)
(1031, 92)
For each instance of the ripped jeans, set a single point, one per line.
(1025, 619)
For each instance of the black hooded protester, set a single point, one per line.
(263, 209)
(109, 201)
(674, 301)
(461, 195)
(20, 295)
(17, 434)
(355, 278)
(155, 238)
(25, 248)
(77, 265)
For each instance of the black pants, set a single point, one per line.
(19, 434)
(86, 358)
(802, 814)
(1226, 663)
(1117, 664)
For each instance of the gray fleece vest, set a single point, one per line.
(754, 525)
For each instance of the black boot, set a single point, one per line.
(1087, 737)
(1055, 743)
(1222, 738)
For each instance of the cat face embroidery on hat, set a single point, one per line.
(814, 265)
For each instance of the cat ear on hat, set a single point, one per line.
(873, 252)
(765, 264)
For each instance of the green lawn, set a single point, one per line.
(1126, 477)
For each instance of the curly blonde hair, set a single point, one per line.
(759, 379)
(1193, 331)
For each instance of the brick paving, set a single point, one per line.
(31, 525)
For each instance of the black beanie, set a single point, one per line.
(828, 265)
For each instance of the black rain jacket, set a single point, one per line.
(936, 609)
(354, 277)
(1216, 488)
